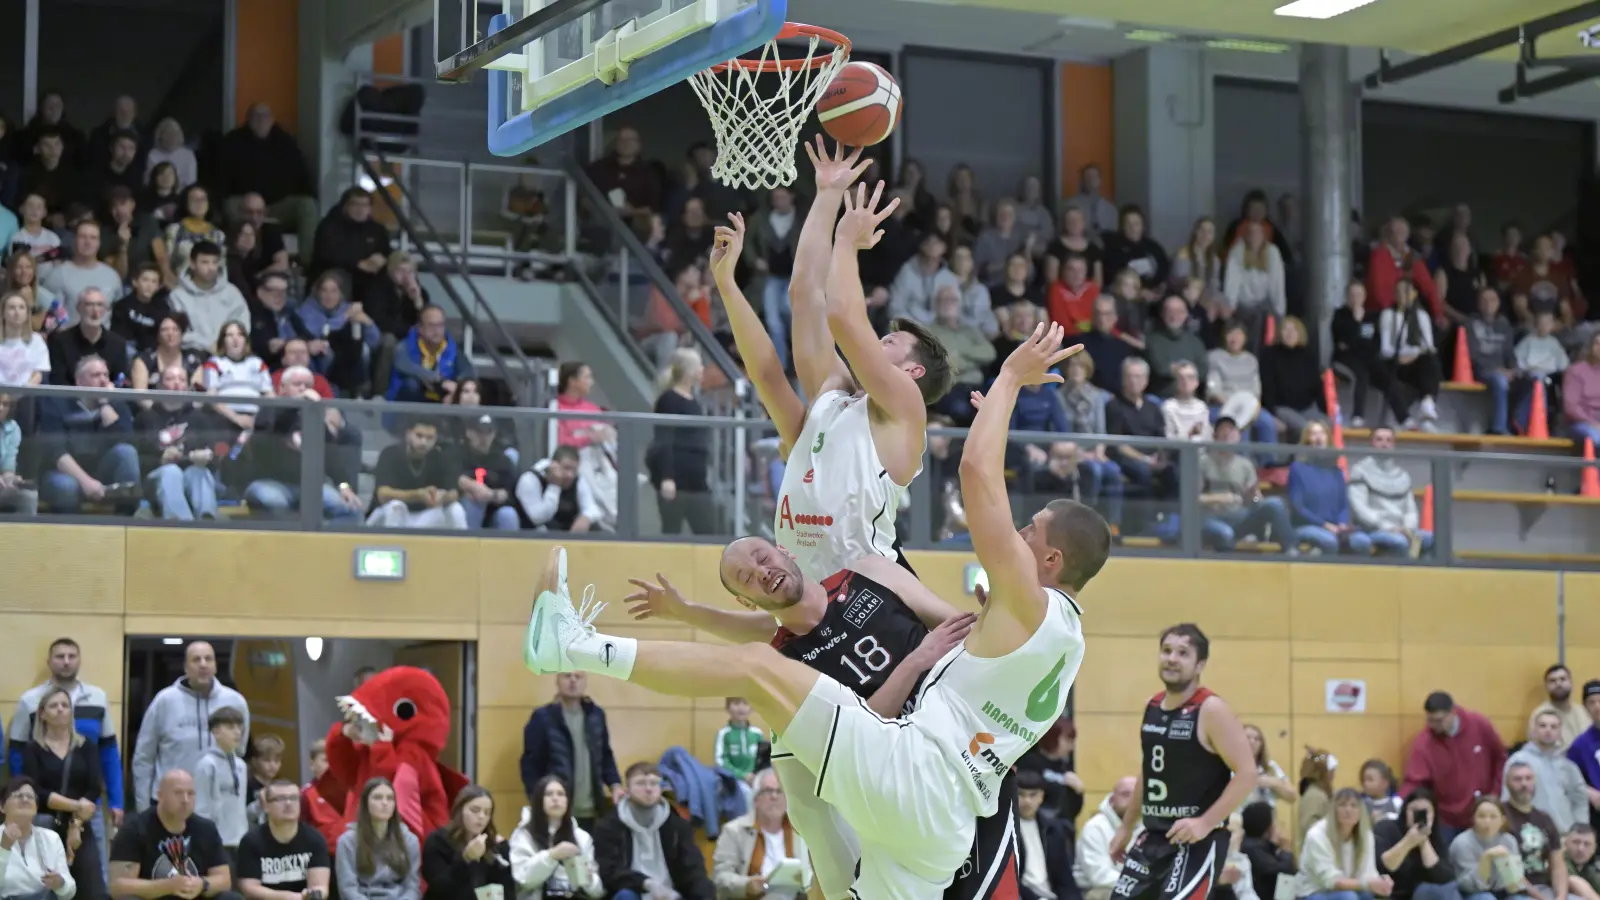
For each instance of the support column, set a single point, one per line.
(1165, 137)
(1326, 183)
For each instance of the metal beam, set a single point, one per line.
(460, 66)
(1526, 32)
(1523, 88)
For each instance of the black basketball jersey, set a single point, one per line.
(866, 632)
(1181, 778)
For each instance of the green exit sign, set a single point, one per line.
(976, 577)
(380, 564)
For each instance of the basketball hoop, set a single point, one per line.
(757, 135)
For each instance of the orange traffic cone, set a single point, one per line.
(1538, 422)
(1589, 486)
(1269, 332)
(1330, 394)
(1463, 366)
(1338, 442)
(1427, 508)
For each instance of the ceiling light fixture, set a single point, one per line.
(1146, 36)
(1246, 46)
(1319, 9)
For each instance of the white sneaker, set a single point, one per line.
(555, 627)
(1429, 409)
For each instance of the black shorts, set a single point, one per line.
(990, 871)
(1157, 869)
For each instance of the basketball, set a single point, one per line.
(861, 105)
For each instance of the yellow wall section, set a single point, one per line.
(1278, 630)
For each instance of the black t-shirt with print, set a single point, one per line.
(395, 469)
(1537, 837)
(282, 866)
(161, 853)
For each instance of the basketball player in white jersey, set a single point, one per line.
(911, 787)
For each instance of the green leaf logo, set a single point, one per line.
(1044, 700)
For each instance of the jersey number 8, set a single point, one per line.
(1155, 790)
(872, 655)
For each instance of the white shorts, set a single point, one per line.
(829, 838)
(893, 785)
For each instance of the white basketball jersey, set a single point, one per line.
(986, 713)
(837, 502)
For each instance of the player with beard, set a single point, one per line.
(1197, 770)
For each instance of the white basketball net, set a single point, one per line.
(756, 135)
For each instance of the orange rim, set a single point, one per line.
(792, 30)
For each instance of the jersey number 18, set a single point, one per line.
(872, 655)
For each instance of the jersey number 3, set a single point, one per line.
(872, 655)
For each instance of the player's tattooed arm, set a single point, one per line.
(760, 355)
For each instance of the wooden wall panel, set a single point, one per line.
(28, 637)
(63, 569)
(1140, 597)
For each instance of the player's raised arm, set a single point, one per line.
(761, 362)
(1008, 561)
(815, 360)
(1220, 728)
(660, 600)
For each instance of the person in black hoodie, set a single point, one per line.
(52, 116)
(258, 157)
(66, 770)
(1291, 381)
(1413, 852)
(137, 316)
(1356, 347)
(178, 450)
(645, 848)
(1130, 247)
(1268, 860)
(347, 238)
(468, 853)
(1040, 835)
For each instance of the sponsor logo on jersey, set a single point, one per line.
(821, 437)
(1181, 730)
(1154, 728)
(810, 474)
(807, 528)
(861, 608)
(1169, 812)
(1008, 722)
(983, 763)
(811, 655)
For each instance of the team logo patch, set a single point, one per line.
(1181, 730)
(861, 608)
(979, 740)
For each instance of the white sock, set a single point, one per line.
(606, 655)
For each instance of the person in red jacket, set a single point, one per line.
(1459, 757)
(1393, 259)
(1072, 298)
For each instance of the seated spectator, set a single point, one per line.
(969, 352)
(119, 170)
(379, 858)
(48, 874)
(1072, 298)
(1320, 501)
(297, 352)
(1098, 477)
(1051, 757)
(1378, 791)
(1291, 380)
(1545, 285)
(53, 176)
(1107, 344)
(466, 857)
(415, 485)
(46, 311)
(162, 196)
(273, 323)
(428, 364)
(1338, 858)
(486, 479)
(16, 495)
(689, 238)
(56, 754)
(192, 227)
(574, 382)
(469, 393)
(1316, 790)
(24, 358)
(1038, 409)
(130, 239)
(551, 856)
(1580, 394)
(1410, 358)
(259, 157)
(1413, 852)
(273, 454)
(245, 262)
(1458, 275)
(752, 846)
(234, 372)
(1491, 347)
(283, 854)
(632, 183)
(1393, 260)
(643, 820)
(348, 335)
(1540, 357)
(169, 147)
(140, 851)
(976, 309)
(89, 337)
(1268, 861)
(679, 459)
(138, 315)
(9, 223)
(1559, 790)
(177, 438)
(1033, 213)
(269, 236)
(1131, 247)
(1253, 282)
(1230, 495)
(919, 280)
(1133, 310)
(1018, 321)
(1233, 385)
(221, 785)
(85, 451)
(1538, 841)
(964, 199)
(1186, 415)
(35, 236)
(1199, 260)
(1486, 856)
(207, 298)
(348, 240)
(1078, 237)
(167, 353)
(1093, 867)
(70, 278)
(1382, 503)
(1171, 343)
(553, 495)
(1044, 844)
(1002, 239)
(1508, 259)
(1131, 412)
(265, 761)
(1583, 868)
(124, 119)
(396, 302)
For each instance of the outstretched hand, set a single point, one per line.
(859, 224)
(726, 245)
(654, 600)
(835, 171)
(1038, 354)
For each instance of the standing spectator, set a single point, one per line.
(283, 855)
(193, 225)
(1254, 284)
(1557, 784)
(551, 856)
(378, 857)
(568, 738)
(1272, 784)
(774, 237)
(171, 737)
(348, 239)
(689, 238)
(1491, 347)
(1072, 298)
(1411, 358)
(1339, 858)
(137, 315)
(679, 460)
(753, 845)
(1580, 394)
(1413, 852)
(124, 120)
(85, 452)
(1093, 867)
(1131, 413)
(964, 198)
(1169, 345)
(347, 334)
(632, 183)
(1186, 415)
(1107, 344)
(169, 148)
(55, 754)
(1268, 860)
(415, 485)
(167, 843)
(466, 856)
(1545, 284)
(221, 781)
(428, 363)
(1584, 751)
(1253, 211)
(259, 157)
(48, 874)
(555, 495)
(1320, 502)
(1076, 237)
(1230, 495)
(1233, 384)
(207, 298)
(1393, 260)
(1099, 478)
(1459, 755)
(84, 271)
(919, 280)
(167, 353)
(574, 382)
(486, 478)
(1382, 502)
(1044, 844)
(1198, 259)
(738, 742)
(1291, 380)
(1002, 239)
(1357, 347)
(969, 353)
(1538, 840)
(1575, 720)
(1098, 210)
(176, 438)
(1459, 279)
(24, 358)
(1131, 248)
(645, 849)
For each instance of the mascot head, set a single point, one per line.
(406, 700)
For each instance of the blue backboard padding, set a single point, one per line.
(738, 34)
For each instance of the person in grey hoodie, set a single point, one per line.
(208, 299)
(644, 850)
(175, 732)
(1382, 502)
(1559, 790)
(221, 781)
(918, 281)
(378, 858)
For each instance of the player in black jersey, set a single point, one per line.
(1197, 770)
